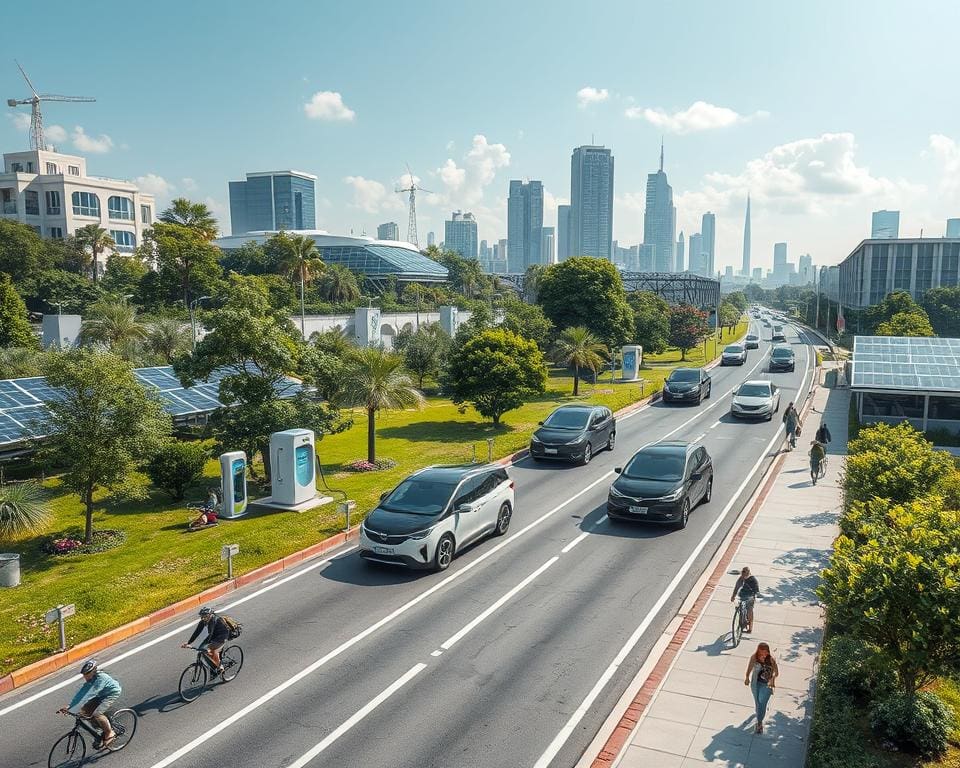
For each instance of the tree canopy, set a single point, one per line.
(578, 348)
(15, 330)
(527, 320)
(23, 253)
(188, 264)
(942, 306)
(195, 216)
(688, 327)
(651, 321)
(912, 323)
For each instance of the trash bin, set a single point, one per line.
(9, 570)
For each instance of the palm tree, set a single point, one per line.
(375, 380)
(333, 342)
(167, 337)
(578, 348)
(23, 508)
(115, 325)
(303, 262)
(339, 284)
(196, 216)
(97, 239)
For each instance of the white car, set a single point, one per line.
(436, 512)
(734, 354)
(756, 399)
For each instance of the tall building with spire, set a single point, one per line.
(745, 270)
(660, 220)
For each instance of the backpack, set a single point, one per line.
(233, 626)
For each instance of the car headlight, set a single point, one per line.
(673, 496)
(575, 440)
(535, 440)
(422, 534)
(615, 492)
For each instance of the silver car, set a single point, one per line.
(735, 354)
(755, 400)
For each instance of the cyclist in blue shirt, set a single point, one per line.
(98, 693)
(748, 588)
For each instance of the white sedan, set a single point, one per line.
(755, 400)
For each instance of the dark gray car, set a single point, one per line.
(574, 433)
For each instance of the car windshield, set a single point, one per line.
(568, 418)
(685, 374)
(655, 465)
(751, 337)
(754, 390)
(734, 349)
(782, 352)
(419, 497)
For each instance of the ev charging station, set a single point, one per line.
(632, 356)
(293, 464)
(233, 484)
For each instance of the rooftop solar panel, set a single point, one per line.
(906, 364)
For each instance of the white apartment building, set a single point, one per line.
(52, 193)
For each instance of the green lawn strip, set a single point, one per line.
(160, 563)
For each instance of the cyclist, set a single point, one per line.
(217, 634)
(748, 588)
(792, 421)
(817, 455)
(98, 693)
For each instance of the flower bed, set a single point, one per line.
(68, 545)
(362, 465)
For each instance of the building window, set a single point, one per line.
(944, 408)
(903, 268)
(878, 273)
(53, 202)
(16, 167)
(52, 169)
(56, 233)
(8, 201)
(924, 268)
(893, 406)
(86, 204)
(29, 167)
(950, 265)
(125, 240)
(120, 208)
(73, 170)
(145, 214)
(31, 203)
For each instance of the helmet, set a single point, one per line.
(90, 665)
(206, 611)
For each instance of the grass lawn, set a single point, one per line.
(160, 563)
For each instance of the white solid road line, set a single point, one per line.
(561, 738)
(716, 424)
(576, 541)
(359, 715)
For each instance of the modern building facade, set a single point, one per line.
(591, 202)
(695, 253)
(273, 200)
(460, 234)
(660, 220)
(678, 267)
(781, 269)
(524, 224)
(708, 228)
(388, 231)
(563, 232)
(52, 193)
(885, 225)
(745, 268)
(953, 228)
(431, 239)
(547, 239)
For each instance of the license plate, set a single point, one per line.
(383, 550)
(638, 510)
(549, 450)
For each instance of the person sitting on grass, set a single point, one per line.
(208, 513)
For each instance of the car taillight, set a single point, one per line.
(512, 485)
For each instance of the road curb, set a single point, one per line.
(20, 677)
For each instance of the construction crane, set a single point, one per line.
(36, 119)
(412, 222)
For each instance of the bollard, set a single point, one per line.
(344, 508)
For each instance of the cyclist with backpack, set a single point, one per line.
(219, 630)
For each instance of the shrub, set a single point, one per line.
(856, 668)
(69, 545)
(920, 723)
(175, 466)
(362, 465)
(23, 508)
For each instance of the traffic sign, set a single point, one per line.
(68, 610)
(229, 550)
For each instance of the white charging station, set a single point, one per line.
(293, 479)
(233, 484)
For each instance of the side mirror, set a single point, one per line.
(384, 495)
(618, 470)
(464, 508)
(540, 423)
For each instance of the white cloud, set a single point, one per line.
(946, 152)
(55, 133)
(550, 203)
(370, 195)
(451, 175)
(699, 116)
(589, 95)
(484, 159)
(328, 105)
(156, 185)
(21, 120)
(189, 184)
(96, 144)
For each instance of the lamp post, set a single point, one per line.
(193, 324)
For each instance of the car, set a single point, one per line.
(777, 334)
(752, 341)
(662, 483)
(734, 354)
(436, 512)
(782, 359)
(755, 400)
(574, 433)
(684, 385)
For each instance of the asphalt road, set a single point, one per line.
(513, 657)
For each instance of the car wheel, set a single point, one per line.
(684, 515)
(503, 519)
(443, 555)
(612, 441)
(587, 454)
(708, 494)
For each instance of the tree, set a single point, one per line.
(739, 300)
(465, 274)
(376, 381)
(249, 259)
(20, 362)
(103, 427)
(45, 290)
(23, 509)
(688, 327)
(495, 371)
(115, 325)
(195, 216)
(97, 240)
(339, 284)
(527, 320)
(942, 306)
(914, 323)
(651, 321)
(298, 258)
(729, 315)
(333, 342)
(187, 263)
(425, 351)
(531, 283)
(22, 251)
(168, 338)
(175, 466)
(578, 348)
(123, 275)
(588, 292)
(15, 330)
(892, 304)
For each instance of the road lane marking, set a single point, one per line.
(563, 736)
(699, 437)
(359, 715)
(576, 541)
(716, 424)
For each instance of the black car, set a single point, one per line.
(782, 359)
(574, 433)
(662, 483)
(686, 385)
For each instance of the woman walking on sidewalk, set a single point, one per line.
(792, 421)
(761, 676)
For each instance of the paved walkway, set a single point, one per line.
(702, 713)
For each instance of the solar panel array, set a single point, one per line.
(23, 410)
(903, 363)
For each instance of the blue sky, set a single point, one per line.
(824, 112)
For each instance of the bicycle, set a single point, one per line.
(194, 678)
(740, 619)
(823, 468)
(70, 750)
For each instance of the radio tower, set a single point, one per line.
(412, 221)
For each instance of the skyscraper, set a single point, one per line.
(781, 270)
(524, 224)
(660, 220)
(460, 234)
(745, 270)
(273, 200)
(591, 202)
(547, 255)
(431, 239)
(680, 253)
(953, 228)
(563, 232)
(708, 228)
(694, 253)
(388, 231)
(885, 225)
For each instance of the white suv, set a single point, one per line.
(436, 512)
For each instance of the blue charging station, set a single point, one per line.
(293, 468)
(233, 484)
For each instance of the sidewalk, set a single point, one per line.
(702, 713)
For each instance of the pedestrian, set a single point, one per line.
(761, 676)
(817, 455)
(792, 421)
(823, 434)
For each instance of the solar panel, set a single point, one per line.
(905, 363)
(161, 378)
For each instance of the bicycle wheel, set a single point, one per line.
(193, 681)
(231, 658)
(124, 722)
(736, 631)
(68, 752)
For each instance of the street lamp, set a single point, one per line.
(193, 324)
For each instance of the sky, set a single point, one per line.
(823, 110)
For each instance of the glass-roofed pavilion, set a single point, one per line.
(376, 260)
(897, 378)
